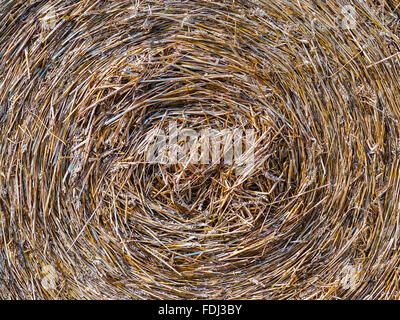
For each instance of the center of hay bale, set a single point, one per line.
(199, 149)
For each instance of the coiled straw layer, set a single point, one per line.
(83, 215)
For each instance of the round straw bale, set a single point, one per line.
(308, 210)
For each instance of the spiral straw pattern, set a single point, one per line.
(84, 84)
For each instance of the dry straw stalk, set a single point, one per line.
(83, 215)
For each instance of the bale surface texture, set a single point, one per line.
(83, 84)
